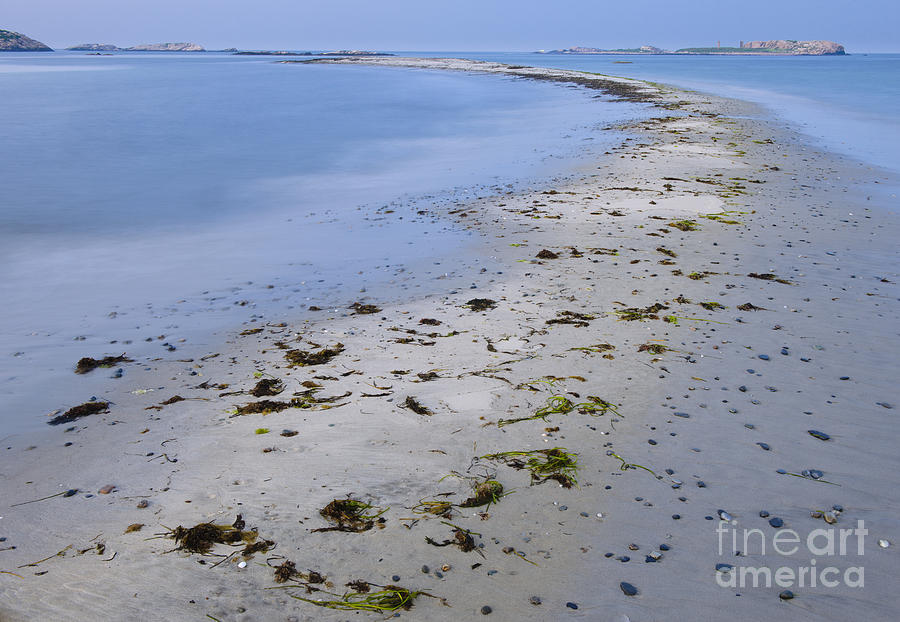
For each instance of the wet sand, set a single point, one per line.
(705, 403)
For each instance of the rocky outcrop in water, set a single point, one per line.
(15, 42)
(784, 47)
(644, 49)
(94, 47)
(166, 47)
(787, 46)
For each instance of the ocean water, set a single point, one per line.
(177, 194)
(848, 104)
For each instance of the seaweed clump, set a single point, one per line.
(390, 598)
(267, 386)
(561, 405)
(362, 309)
(285, 572)
(350, 515)
(666, 251)
(750, 307)
(302, 358)
(481, 304)
(580, 320)
(685, 225)
(305, 399)
(544, 464)
(547, 254)
(433, 507)
(202, 537)
(77, 412)
(484, 493)
(87, 363)
(653, 348)
(414, 405)
(631, 314)
(462, 539)
(712, 306)
(768, 276)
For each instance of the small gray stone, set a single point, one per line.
(628, 589)
(819, 435)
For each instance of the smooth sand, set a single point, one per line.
(802, 215)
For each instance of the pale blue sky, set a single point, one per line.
(480, 25)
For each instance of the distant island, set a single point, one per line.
(776, 47)
(146, 47)
(16, 42)
(337, 53)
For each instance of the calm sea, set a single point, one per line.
(849, 104)
(175, 194)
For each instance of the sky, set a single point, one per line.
(461, 25)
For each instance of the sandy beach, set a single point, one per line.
(701, 329)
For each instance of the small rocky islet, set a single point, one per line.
(16, 42)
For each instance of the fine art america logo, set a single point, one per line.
(808, 562)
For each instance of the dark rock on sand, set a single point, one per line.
(628, 589)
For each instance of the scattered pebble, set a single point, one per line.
(776, 522)
(628, 589)
(571, 605)
(786, 595)
(819, 435)
(535, 600)
(486, 610)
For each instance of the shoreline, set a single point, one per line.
(489, 370)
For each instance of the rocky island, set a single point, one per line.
(777, 47)
(146, 47)
(15, 42)
(94, 47)
(288, 53)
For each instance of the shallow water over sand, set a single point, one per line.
(151, 195)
